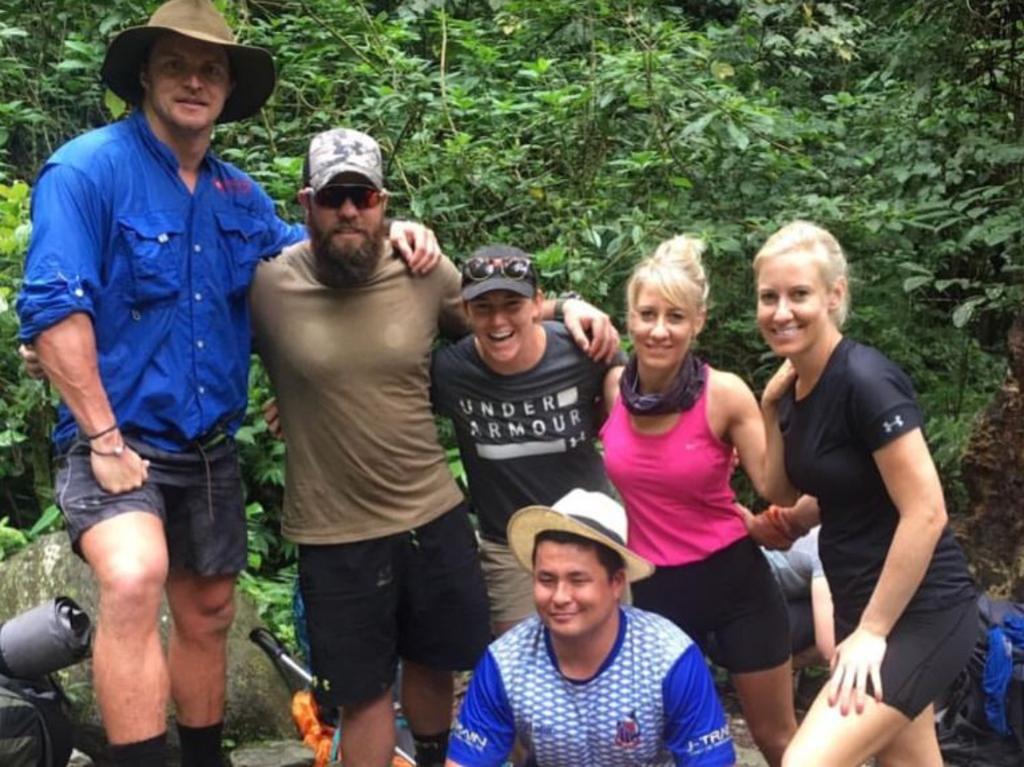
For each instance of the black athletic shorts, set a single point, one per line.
(198, 496)
(924, 653)
(730, 604)
(417, 595)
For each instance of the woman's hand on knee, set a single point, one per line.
(856, 662)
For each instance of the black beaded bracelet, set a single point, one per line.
(101, 433)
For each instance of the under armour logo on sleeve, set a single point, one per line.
(891, 426)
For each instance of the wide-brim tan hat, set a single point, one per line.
(588, 514)
(252, 68)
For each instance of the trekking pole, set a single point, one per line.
(286, 665)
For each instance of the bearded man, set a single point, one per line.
(388, 564)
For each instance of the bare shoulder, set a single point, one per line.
(730, 401)
(728, 387)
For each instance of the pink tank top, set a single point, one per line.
(675, 486)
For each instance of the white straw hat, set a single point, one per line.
(588, 514)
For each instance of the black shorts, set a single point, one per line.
(418, 595)
(730, 604)
(924, 653)
(198, 499)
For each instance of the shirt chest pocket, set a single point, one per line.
(241, 239)
(153, 247)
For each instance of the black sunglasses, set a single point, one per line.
(334, 196)
(514, 267)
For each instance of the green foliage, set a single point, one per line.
(11, 539)
(273, 593)
(25, 405)
(589, 130)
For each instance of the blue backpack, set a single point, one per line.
(980, 718)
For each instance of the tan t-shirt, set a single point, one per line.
(350, 368)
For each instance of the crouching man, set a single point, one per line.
(588, 681)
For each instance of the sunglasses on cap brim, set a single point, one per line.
(481, 268)
(334, 196)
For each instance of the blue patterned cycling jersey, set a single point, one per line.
(651, 703)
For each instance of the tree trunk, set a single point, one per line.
(993, 472)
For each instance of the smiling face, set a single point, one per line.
(663, 333)
(795, 306)
(507, 330)
(575, 596)
(186, 83)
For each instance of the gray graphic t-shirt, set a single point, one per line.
(524, 438)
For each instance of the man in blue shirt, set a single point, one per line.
(588, 681)
(143, 247)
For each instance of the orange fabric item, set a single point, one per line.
(315, 734)
(319, 736)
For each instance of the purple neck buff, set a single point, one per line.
(681, 394)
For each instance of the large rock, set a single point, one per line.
(258, 702)
(993, 472)
(287, 753)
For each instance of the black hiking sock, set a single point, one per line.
(141, 753)
(431, 750)
(200, 746)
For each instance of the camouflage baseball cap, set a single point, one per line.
(342, 150)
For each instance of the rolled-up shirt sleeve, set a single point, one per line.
(63, 266)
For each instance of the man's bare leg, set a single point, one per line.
(427, 699)
(202, 609)
(368, 733)
(128, 555)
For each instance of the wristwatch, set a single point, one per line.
(560, 303)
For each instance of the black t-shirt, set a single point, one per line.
(861, 402)
(524, 438)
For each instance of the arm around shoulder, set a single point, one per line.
(778, 489)
(590, 327)
(417, 244)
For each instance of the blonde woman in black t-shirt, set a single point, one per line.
(843, 425)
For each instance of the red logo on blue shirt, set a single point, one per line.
(627, 731)
(233, 185)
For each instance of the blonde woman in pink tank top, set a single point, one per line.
(674, 426)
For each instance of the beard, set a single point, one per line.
(349, 265)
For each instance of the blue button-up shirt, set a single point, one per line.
(162, 272)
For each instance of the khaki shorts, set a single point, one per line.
(509, 586)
